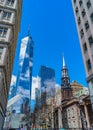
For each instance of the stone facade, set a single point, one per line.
(77, 114)
(83, 11)
(10, 13)
(57, 110)
(70, 112)
(58, 98)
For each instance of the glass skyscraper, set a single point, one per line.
(47, 76)
(24, 77)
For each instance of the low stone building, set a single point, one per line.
(70, 112)
(57, 116)
(77, 113)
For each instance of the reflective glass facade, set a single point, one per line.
(47, 76)
(24, 77)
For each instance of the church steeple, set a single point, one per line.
(65, 76)
(65, 86)
(64, 64)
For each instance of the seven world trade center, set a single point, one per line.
(47, 76)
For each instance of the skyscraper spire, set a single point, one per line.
(29, 30)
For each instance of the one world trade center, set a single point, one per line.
(24, 77)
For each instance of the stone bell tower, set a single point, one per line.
(65, 86)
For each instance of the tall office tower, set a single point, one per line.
(35, 95)
(47, 76)
(24, 77)
(12, 91)
(83, 11)
(10, 13)
(65, 87)
(37, 98)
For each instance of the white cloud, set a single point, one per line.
(23, 92)
(22, 52)
(35, 84)
(25, 40)
(21, 62)
(23, 78)
(26, 56)
(58, 86)
(49, 87)
(17, 105)
(13, 80)
(23, 49)
(27, 73)
(30, 64)
(49, 84)
(13, 83)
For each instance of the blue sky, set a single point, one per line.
(54, 32)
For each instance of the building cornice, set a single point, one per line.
(89, 78)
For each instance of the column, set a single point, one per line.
(59, 117)
(79, 117)
(87, 116)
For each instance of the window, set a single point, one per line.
(90, 39)
(76, 10)
(80, 2)
(88, 4)
(10, 2)
(3, 31)
(81, 33)
(85, 47)
(1, 1)
(91, 16)
(1, 50)
(68, 113)
(73, 113)
(79, 20)
(74, 1)
(92, 57)
(86, 25)
(62, 93)
(68, 93)
(6, 15)
(88, 64)
(0, 12)
(83, 13)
